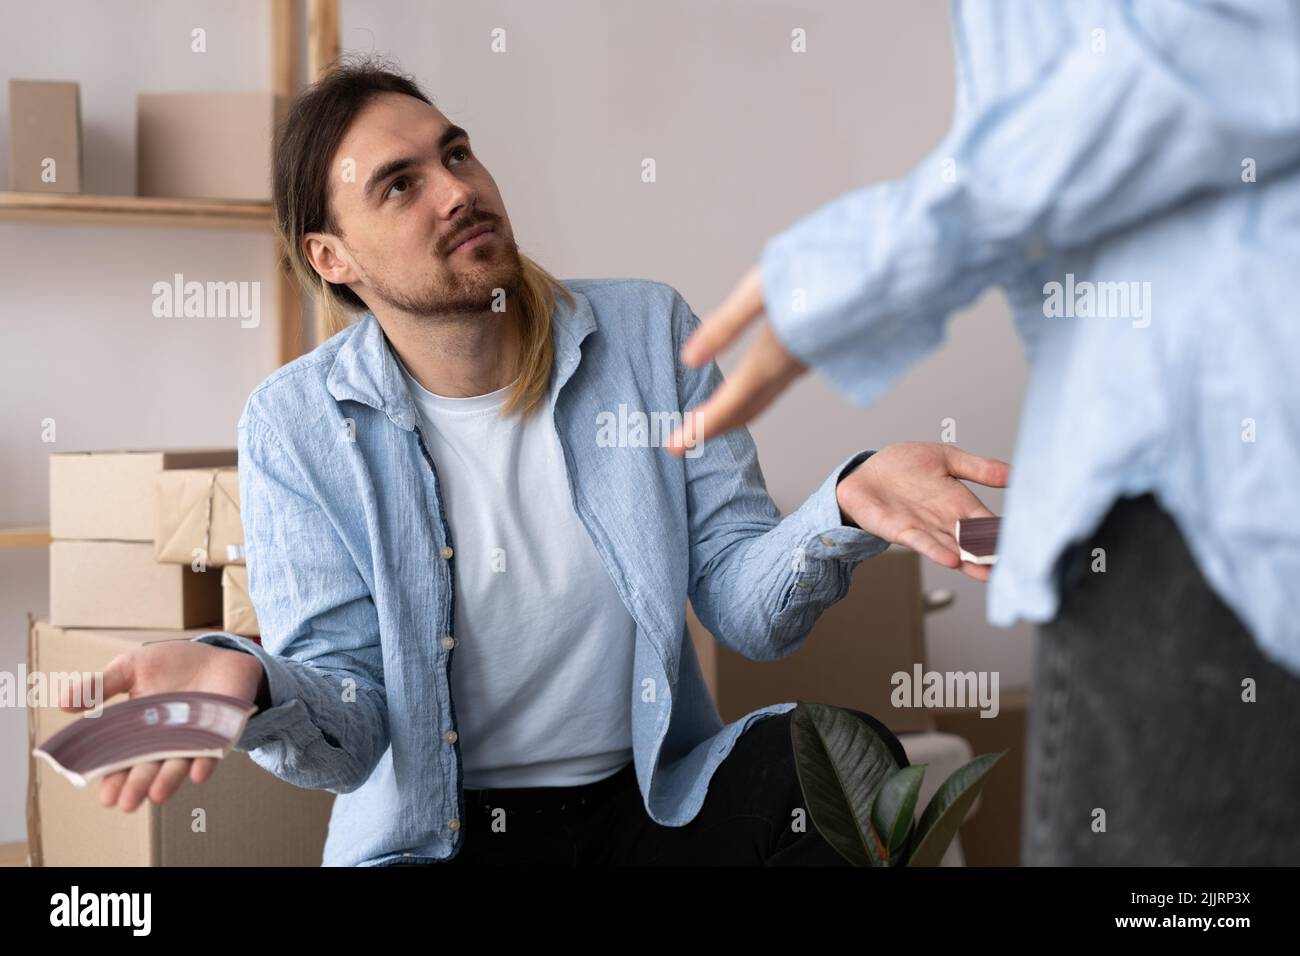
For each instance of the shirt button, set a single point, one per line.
(451, 736)
(446, 552)
(826, 541)
(448, 642)
(407, 853)
(803, 584)
(453, 824)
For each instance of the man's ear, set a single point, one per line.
(328, 257)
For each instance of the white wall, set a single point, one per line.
(746, 136)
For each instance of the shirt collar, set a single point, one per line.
(365, 369)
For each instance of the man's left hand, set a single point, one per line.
(910, 494)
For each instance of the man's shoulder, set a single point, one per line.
(631, 303)
(618, 292)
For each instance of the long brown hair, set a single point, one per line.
(316, 124)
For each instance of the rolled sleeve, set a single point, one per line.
(827, 536)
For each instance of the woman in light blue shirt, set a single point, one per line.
(1129, 175)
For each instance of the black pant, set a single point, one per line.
(1145, 746)
(748, 817)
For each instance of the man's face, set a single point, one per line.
(416, 190)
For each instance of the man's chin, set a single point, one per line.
(473, 286)
(487, 281)
(477, 293)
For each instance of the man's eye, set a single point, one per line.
(389, 191)
(459, 149)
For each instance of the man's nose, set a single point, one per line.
(453, 196)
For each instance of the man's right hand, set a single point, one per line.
(168, 667)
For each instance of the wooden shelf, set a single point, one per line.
(79, 209)
(322, 42)
(24, 537)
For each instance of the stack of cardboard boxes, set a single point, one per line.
(103, 570)
(148, 547)
(196, 522)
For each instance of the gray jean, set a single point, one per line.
(1137, 713)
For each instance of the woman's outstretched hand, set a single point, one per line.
(763, 373)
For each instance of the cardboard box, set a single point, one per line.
(240, 816)
(108, 495)
(196, 515)
(237, 614)
(44, 136)
(847, 660)
(119, 584)
(207, 145)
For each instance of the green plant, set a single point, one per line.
(863, 803)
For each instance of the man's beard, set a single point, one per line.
(493, 266)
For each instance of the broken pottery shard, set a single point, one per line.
(977, 539)
(155, 727)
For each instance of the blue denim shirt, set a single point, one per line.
(1126, 149)
(351, 563)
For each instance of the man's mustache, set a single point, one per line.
(461, 226)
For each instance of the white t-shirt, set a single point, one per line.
(542, 668)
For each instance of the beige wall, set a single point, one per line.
(746, 136)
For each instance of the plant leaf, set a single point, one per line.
(948, 807)
(841, 763)
(891, 813)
